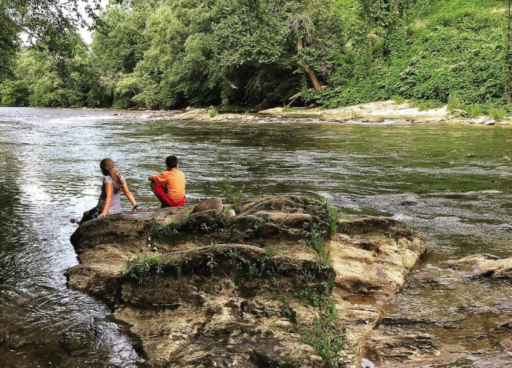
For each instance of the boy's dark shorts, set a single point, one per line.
(94, 212)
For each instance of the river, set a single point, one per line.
(452, 183)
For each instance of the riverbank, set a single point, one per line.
(382, 112)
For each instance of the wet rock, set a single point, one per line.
(507, 345)
(197, 114)
(376, 119)
(243, 291)
(209, 204)
(506, 325)
(374, 255)
(486, 265)
(402, 348)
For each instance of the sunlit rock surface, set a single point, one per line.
(486, 265)
(280, 284)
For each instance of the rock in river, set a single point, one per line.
(486, 265)
(254, 290)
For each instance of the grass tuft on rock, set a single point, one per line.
(144, 266)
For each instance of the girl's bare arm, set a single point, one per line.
(108, 200)
(128, 194)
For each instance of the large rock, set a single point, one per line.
(250, 291)
(210, 204)
(382, 110)
(486, 265)
(374, 255)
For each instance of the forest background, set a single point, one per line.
(254, 54)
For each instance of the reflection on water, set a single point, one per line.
(450, 182)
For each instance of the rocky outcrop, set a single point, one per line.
(282, 283)
(486, 265)
(383, 110)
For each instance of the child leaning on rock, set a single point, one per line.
(110, 198)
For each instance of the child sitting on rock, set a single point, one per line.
(169, 187)
(110, 198)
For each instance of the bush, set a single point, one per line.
(454, 103)
(231, 192)
(398, 99)
(497, 114)
(142, 267)
(475, 110)
(212, 113)
(423, 105)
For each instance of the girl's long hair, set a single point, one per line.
(108, 165)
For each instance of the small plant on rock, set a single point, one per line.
(142, 267)
(231, 192)
(326, 337)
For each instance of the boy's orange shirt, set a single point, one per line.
(174, 181)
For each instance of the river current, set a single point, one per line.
(452, 183)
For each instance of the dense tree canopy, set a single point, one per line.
(255, 53)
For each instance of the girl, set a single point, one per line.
(110, 199)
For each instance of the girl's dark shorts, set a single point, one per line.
(94, 212)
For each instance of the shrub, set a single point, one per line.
(475, 110)
(398, 99)
(454, 103)
(326, 339)
(212, 113)
(497, 114)
(142, 267)
(231, 192)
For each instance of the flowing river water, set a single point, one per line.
(452, 183)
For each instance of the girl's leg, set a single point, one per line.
(86, 217)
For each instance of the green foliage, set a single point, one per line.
(475, 110)
(326, 337)
(169, 231)
(231, 192)
(170, 53)
(287, 109)
(497, 114)
(426, 51)
(142, 267)
(286, 311)
(398, 99)
(41, 79)
(212, 113)
(454, 103)
(424, 105)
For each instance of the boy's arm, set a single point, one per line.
(158, 179)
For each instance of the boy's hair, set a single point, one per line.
(171, 162)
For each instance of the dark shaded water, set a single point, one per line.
(450, 182)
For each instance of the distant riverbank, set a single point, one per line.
(382, 112)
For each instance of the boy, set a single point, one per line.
(169, 187)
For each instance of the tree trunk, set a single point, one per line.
(307, 69)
